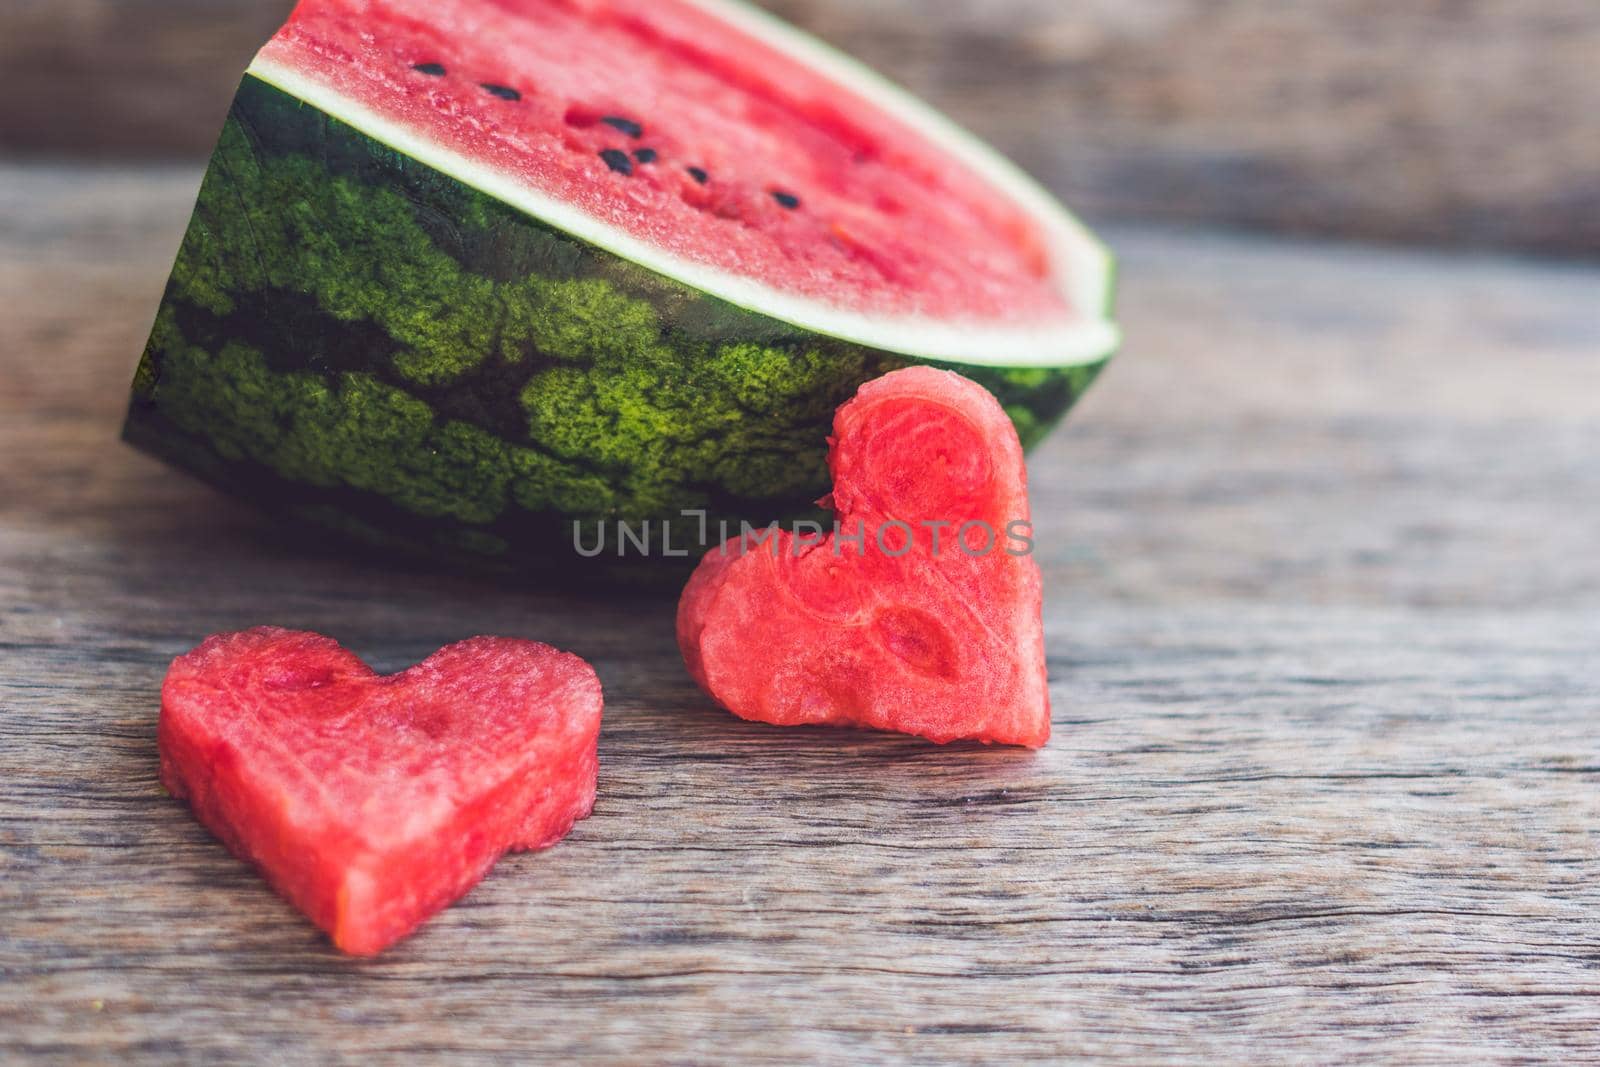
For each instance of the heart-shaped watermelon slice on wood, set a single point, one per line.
(920, 613)
(371, 802)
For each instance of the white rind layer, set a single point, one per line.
(1078, 258)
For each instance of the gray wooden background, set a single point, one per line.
(1448, 121)
(1322, 560)
(1323, 625)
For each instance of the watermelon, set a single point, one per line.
(920, 612)
(371, 802)
(464, 273)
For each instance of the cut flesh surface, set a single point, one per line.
(371, 802)
(712, 144)
(920, 613)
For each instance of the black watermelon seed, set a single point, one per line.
(788, 200)
(627, 126)
(699, 175)
(433, 70)
(501, 91)
(645, 155)
(617, 160)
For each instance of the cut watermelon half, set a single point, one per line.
(371, 802)
(464, 270)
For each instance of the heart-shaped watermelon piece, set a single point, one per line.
(371, 802)
(920, 612)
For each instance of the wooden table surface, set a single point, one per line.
(1323, 604)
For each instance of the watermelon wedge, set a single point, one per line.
(464, 271)
(371, 802)
(920, 612)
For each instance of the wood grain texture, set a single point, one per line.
(111, 78)
(1453, 122)
(1323, 618)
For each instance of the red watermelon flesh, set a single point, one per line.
(697, 128)
(372, 802)
(898, 633)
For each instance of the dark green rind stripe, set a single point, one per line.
(355, 339)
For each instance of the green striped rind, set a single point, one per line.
(362, 341)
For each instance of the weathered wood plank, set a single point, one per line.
(1323, 619)
(1438, 122)
(124, 77)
